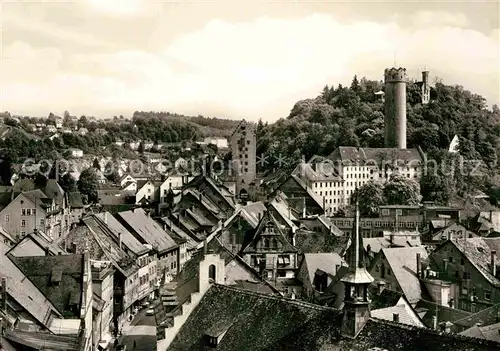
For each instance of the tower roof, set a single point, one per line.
(357, 273)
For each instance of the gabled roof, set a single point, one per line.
(147, 229)
(244, 320)
(487, 332)
(351, 155)
(195, 182)
(59, 278)
(325, 262)
(75, 200)
(54, 191)
(40, 240)
(116, 228)
(312, 242)
(403, 263)
(269, 220)
(23, 290)
(186, 281)
(478, 252)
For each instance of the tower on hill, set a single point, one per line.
(395, 108)
(356, 282)
(244, 168)
(426, 89)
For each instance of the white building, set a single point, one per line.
(76, 153)
(221, 143)
(335, 178)
(454, 145)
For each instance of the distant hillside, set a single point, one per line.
(205, 126)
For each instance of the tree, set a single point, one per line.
(170, 199)
(400, 190)
(96, 164)
(88, 184)
(370, 196)
(5, 170)
(141, 147)
(68, 183)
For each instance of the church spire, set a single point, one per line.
(357, 273)
(356, 282)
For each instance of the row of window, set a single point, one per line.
(376, 224)
(28, 212)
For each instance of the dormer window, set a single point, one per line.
(56, 276)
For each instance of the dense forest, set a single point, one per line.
(354, 116)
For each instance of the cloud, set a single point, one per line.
(249, 69)
(123, 8)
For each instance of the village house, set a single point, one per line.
(32, 210)
(170, 248)
(469, 266)
(77, 153)
(46, 299)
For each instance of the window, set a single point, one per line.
(211, 272)
(23, 234)
(450, 259)
(7, 218)
(487, 295)
(23, 223)
(464, 289)
(462, 261)
(23, 212)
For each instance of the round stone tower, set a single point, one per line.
(395, 108)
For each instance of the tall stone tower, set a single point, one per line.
(395, 107)
(244, 168)
(356, 282)
(426, 89)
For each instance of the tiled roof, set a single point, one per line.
(41, 271)
(404, 316)
(75, 200)
(54, 191)
(427, 310)
(484, 317)
(246, 320)
(24, 184)
(488, 332)
(286, 246)
(123, 262)
(23, 290)
(243, 322)
(20, 249)
(387, 298)
(191, 243)
(116, 228)
(354, 155)
(313, 242)
(255, 211)
(325, 262)
(478, 252)
(379, 243)
(35, 340)
(403, 264)
(146, 228)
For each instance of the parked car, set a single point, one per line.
(150, 312)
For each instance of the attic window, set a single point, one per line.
(480, 249)
(211, 341)
(56, 276)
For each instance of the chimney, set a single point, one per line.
(120, 240)
(395, 317)
(419, 266)
(205, 248)
(105, 217)
(445, 264)
(4, 295)
(381, 286)
(434, 322)
(47, 251)
(493, 263)
(260, 216)
(450, 235)
(200, 196)
(368, 249)
(337, 267)
(391, 239)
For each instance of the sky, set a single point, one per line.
(231, 59)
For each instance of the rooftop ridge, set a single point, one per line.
(436, 332)
(277, 298)
(477, 313)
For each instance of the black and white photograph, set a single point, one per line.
(249, 175)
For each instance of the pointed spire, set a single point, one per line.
(357, 273)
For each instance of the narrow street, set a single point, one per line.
(142, 331)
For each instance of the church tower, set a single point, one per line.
(356, 282)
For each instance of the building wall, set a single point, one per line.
(381, 271)
(461, 290)
(147, 191)
(168, 262)
(17, 224)
(273, 271)
(243, 150)
(103, 287)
